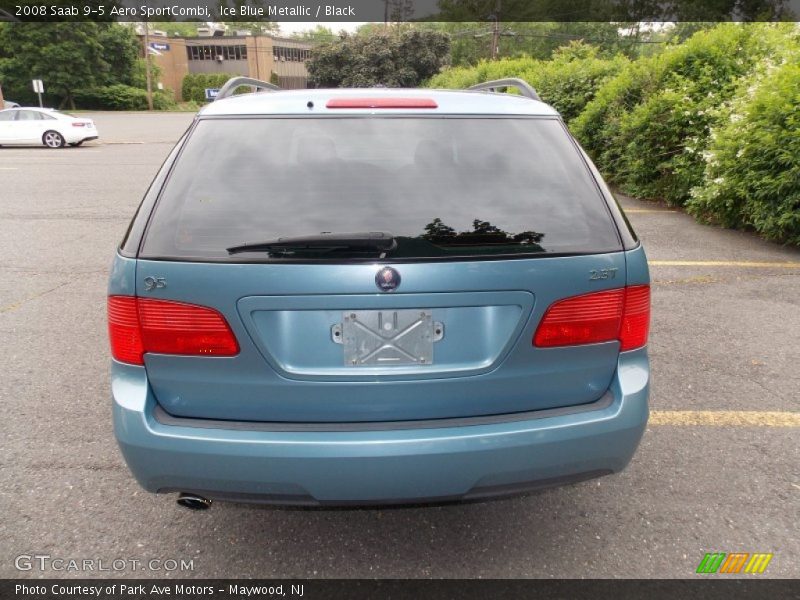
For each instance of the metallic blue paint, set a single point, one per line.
(376, 466)
(486, 364)
(388, 465)
(289, 370)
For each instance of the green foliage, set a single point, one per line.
(617, 12)
(120, 51)
(568, 81)
(194, 85)
(402, 59)
(164, 100)
(122, 97)
(752, 165)
(648, 126)
(176, 28)
(319, 35)
(67, 56)
(652, 137)
(254, 27)
(471, 42)
(617, 96)
(712, 121)
(139, 73)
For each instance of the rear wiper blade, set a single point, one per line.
(371, 240)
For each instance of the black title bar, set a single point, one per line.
(400, 10)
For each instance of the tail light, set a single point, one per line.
(622, 314)
(636, 318)
(123, 330)
(140, 325)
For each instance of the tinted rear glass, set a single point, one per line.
(444, 187)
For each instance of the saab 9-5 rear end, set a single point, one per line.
(377, 296)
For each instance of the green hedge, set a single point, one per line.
(713, 122)
(122, 97)
(647, 128)
(568, 81)
(752, 166)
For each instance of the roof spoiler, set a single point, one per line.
(523, 86)
(235, 82)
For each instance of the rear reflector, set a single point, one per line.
(381, 103)
(140, 325)
(78, 124)
(622, 314)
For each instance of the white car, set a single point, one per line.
(37, 126)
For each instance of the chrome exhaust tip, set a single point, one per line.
(193, 502)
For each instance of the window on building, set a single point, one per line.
(291, 54)
(208, 52)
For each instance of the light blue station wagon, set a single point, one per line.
(377, 296)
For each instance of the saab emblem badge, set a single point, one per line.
(387, 279)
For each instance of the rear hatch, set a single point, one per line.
(491, 220)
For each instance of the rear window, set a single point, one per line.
(444, 187)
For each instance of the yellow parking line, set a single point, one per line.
(724, 263)
(644, 211)
(726, 418)
(16, 305)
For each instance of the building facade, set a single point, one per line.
(259, 56)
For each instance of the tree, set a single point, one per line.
(471, 41)
(398, 10)
(403, 60)
(67, 56)
(120, 50)
(254, 27)
(319, 35)
(177, 28)
(189, 28)
(628, 11)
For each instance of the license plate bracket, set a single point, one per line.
(387, 337)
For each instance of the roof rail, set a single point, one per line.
(234, 82)
(523, 86)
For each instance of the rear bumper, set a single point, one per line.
(79, 134)
(364, 466)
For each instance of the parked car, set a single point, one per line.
(44, 126)
(377, 296)
(9, 104)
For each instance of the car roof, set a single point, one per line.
(295, 102)
(35, 109)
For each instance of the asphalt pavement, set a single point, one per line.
(709, 476)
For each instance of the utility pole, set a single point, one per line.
(147, 70)
(496, 30)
